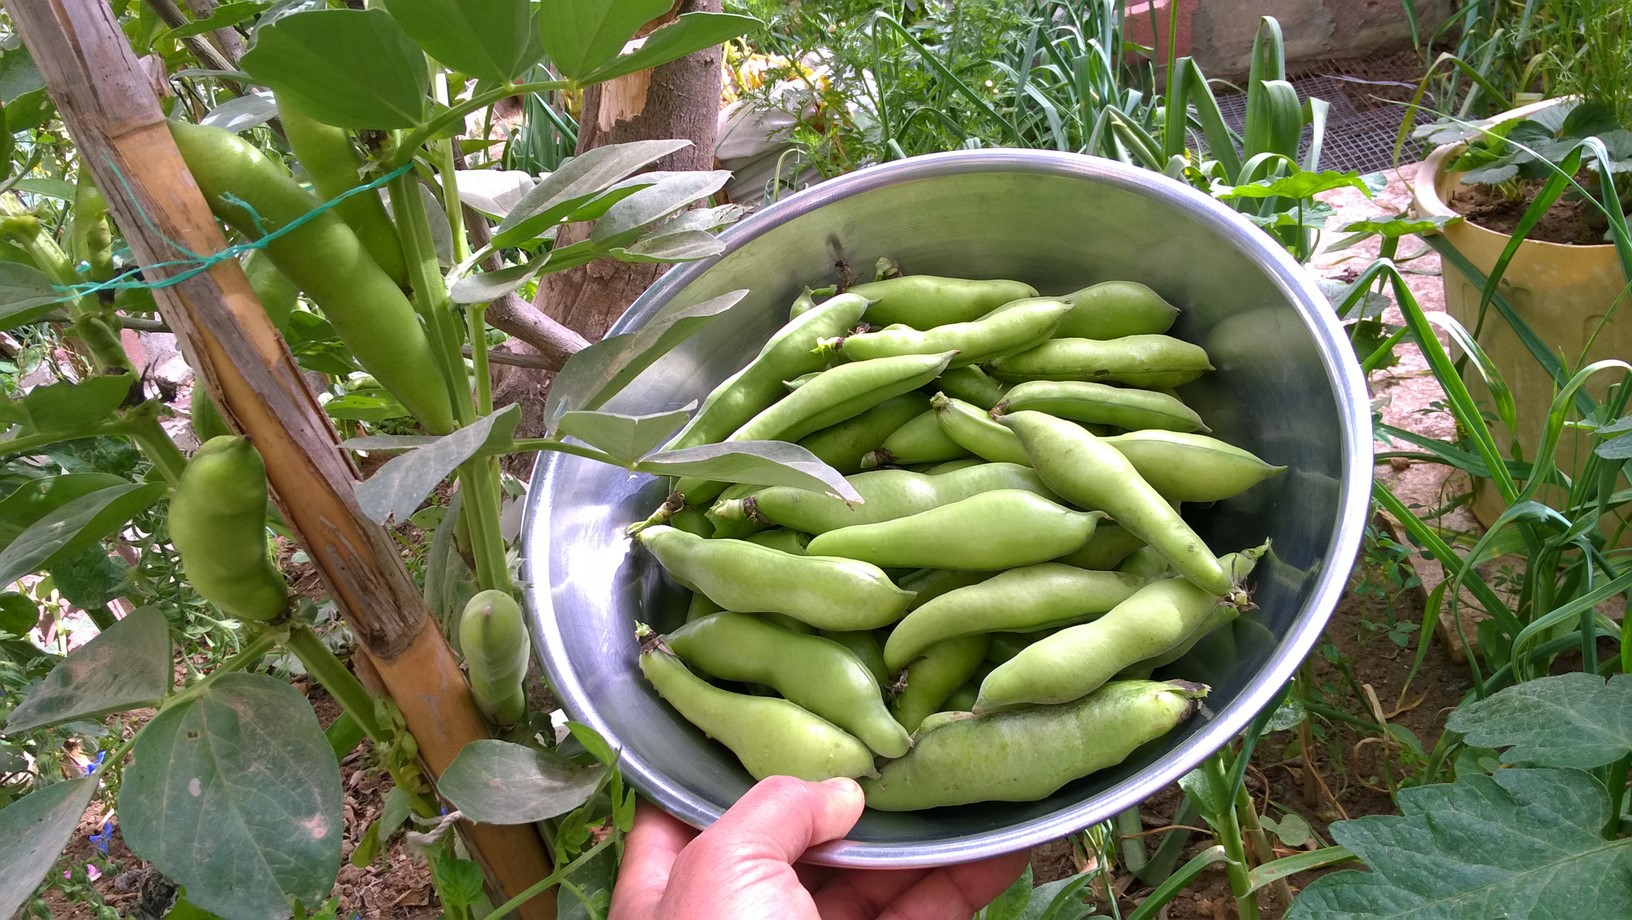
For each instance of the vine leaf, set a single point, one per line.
(72, 527)
(493, 40)
(33, 831)
(624, 438)
(127, 665)
(236, 795)
(592, 176)
(596, 374)
(497, 782)
(766, 463)
(1521, 843)
(1569, 720)
(311, 54)
(398, 487)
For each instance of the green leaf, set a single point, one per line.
(349, 68)
(688, 235)
(242, 113)
(34, 500)
(581, 35)
(26, 294)
(494, 192)
(624, 438)
(236, 795)
(126, 666)
(402, 484)
(487, 286)
(74, 526)
(18, 75)
(69, 408)
(18, 613)
(458, 881)
(577, 182)
(689, 33)
(1522, 843)
(394, 813)
(1296, 185)
(33, 832)
(1009, 904)
(90, 578)
(596, 374)
(496, 782)
(493, 40)
(224, 16)
(1569, 720)
(766, 463)
(371, 405)
(671, 192)
(47, 186)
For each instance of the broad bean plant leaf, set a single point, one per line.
(581, 35)
(494, 192)
(671, 191)
(241, 113)
(624, 438)
(69, 408)
(74, 526)
(689, 33)
(497, 782)
(125, 666)
(1521, 843)
(766, 463)
(33, 831)
(236, 795)
(596, 374)
(486, 286)
(1569, 720)
(33, 500)
(26, 294)
(493, 40)
(350, 68)
(397, 488)
(575, 184)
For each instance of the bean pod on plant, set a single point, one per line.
(493, 638)
(218, 525)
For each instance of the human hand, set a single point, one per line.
(742, 867)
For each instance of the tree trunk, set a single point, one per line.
(681, 99)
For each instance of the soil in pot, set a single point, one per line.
(1570, 221)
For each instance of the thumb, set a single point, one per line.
(781, 817)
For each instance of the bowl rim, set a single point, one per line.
(1349, 393)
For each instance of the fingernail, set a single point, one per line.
(844, 784)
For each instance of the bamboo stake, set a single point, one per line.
(110, 109)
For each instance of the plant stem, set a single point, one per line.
(430, 295)
(142, 427)
(329, 671)
(549, 881)
(1226, 825)
(456, 113)
(1255, 835)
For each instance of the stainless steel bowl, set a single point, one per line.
(1287, 388)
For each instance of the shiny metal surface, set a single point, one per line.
(1287, 388)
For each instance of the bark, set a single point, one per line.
(680, 100)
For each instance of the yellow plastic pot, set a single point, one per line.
(1562, 291)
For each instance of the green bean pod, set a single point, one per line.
(1023, 599)
(973, 429)
(1113, 309)
(1008, 329)
(950, 466)
(769, 735)
(827, 593)
(218, 525)
(1028, 754)
(1105, 550)
(789, 353)
(493, 639)
(1192, 467)
(1137, 360)
(1092, 474)
(1075, 661)
(921, 440)
(972, 385)
(781, 538)
(934, 676)
(928, 584)
(818, 674)
(1101, 404)
(325, 259)
(843, 446)
(886, 495)
(206, 418)
(1144, 562)
(700, 606)
(926, 301)
(837, 394)
(325, 152)
(277, 294)
(693, 521)
(1014, 528)
(862, 643)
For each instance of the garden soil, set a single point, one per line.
(1360, 668)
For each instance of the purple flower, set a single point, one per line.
(92, 766)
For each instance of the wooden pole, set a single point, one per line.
(111, 111)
